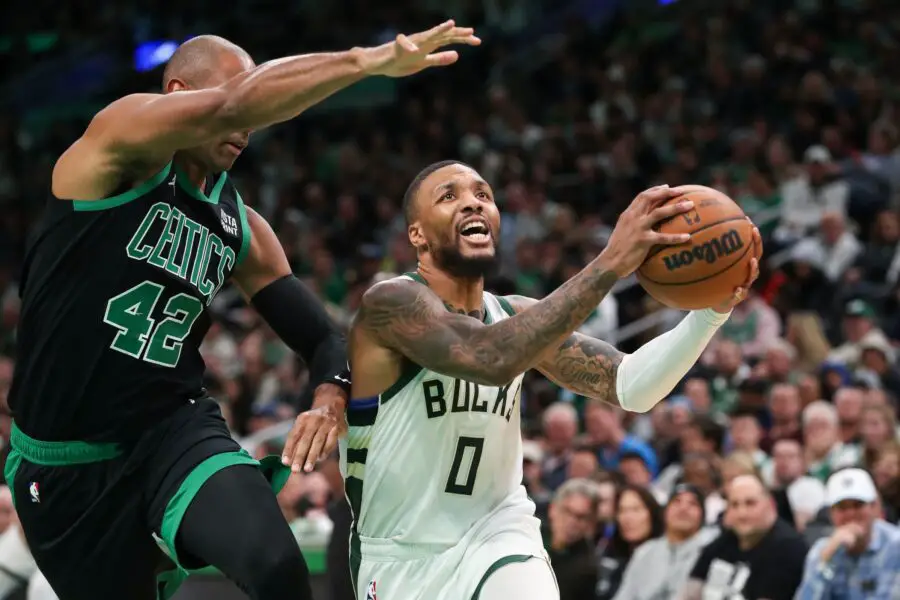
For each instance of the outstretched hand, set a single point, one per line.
(316, 432)
(740, 293)
(408, 55)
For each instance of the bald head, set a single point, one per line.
(205, 61)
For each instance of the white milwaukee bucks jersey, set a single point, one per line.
(433, 454)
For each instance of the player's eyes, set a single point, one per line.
(483, 195)
(448, 196)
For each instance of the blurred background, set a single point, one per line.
(569, 109)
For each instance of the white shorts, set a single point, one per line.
(504, 541)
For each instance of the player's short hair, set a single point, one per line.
(197, 57)
(409, 198)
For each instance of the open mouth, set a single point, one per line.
(476, 231)
(236, 148)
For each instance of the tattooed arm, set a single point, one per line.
(636, 382)
(582, 364)
(410, 319)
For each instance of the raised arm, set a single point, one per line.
(293, 312)
(638, 381)
(146, 129)
(410, 319)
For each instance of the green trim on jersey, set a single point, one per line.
(506, 306)
(124, 197)
(245, 229)
(408, 372)
(192, 190)
(414, 275)
(498, 564)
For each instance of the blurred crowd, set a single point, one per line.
(783, 439)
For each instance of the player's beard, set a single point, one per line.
(451, 260)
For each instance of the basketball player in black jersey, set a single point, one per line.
(116, 450)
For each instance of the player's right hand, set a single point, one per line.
(407, 55)
(634, 234)
(314, 436)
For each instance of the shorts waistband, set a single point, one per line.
(60, 454)
(386, 549)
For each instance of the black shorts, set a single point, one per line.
(97, 513)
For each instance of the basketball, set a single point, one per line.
(705, 271)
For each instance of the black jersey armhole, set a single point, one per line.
(123, 198)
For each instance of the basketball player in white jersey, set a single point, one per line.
(433, 458)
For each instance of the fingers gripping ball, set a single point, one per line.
(705, 271)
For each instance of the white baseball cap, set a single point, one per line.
(850, 484)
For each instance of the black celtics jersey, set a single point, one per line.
(114, 306)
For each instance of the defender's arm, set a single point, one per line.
(290, 308)
(636, 382)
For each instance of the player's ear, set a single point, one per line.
(416, 236)
(176, 85)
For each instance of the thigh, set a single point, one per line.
(84, 525)
(524, 579)
(192, 447)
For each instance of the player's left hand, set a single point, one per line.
(740, 294)
(408, 55)
(316, 432)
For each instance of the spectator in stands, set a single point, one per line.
(660, 566)
(607, 490)
(806, 198)
(730, 370)
(848, 402)
(878, 365)
(877, 428)
(759, 556)
(573, 522)
(835, 246)
(582, 464)
(861, 558)
(701, 470)
(746, 434)
(825, 453)
(859, 327)
(754, 326)
(784, 410)
(638, 519)
(604, 433)
(777, 364)
(560, 428)
(805, 495)
(886, 474)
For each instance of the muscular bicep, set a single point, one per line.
(582, 364)
(408, 318)
(265, 261)
(133, 134)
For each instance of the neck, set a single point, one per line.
(464, 295)
(195, 171)
(677, 537)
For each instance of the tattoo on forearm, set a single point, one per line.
(586, 366)
(411, 319)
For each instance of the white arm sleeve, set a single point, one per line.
(650, 373)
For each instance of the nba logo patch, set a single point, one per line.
(370, 591)
(35, 492)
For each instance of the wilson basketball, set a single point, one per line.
(705, 271)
